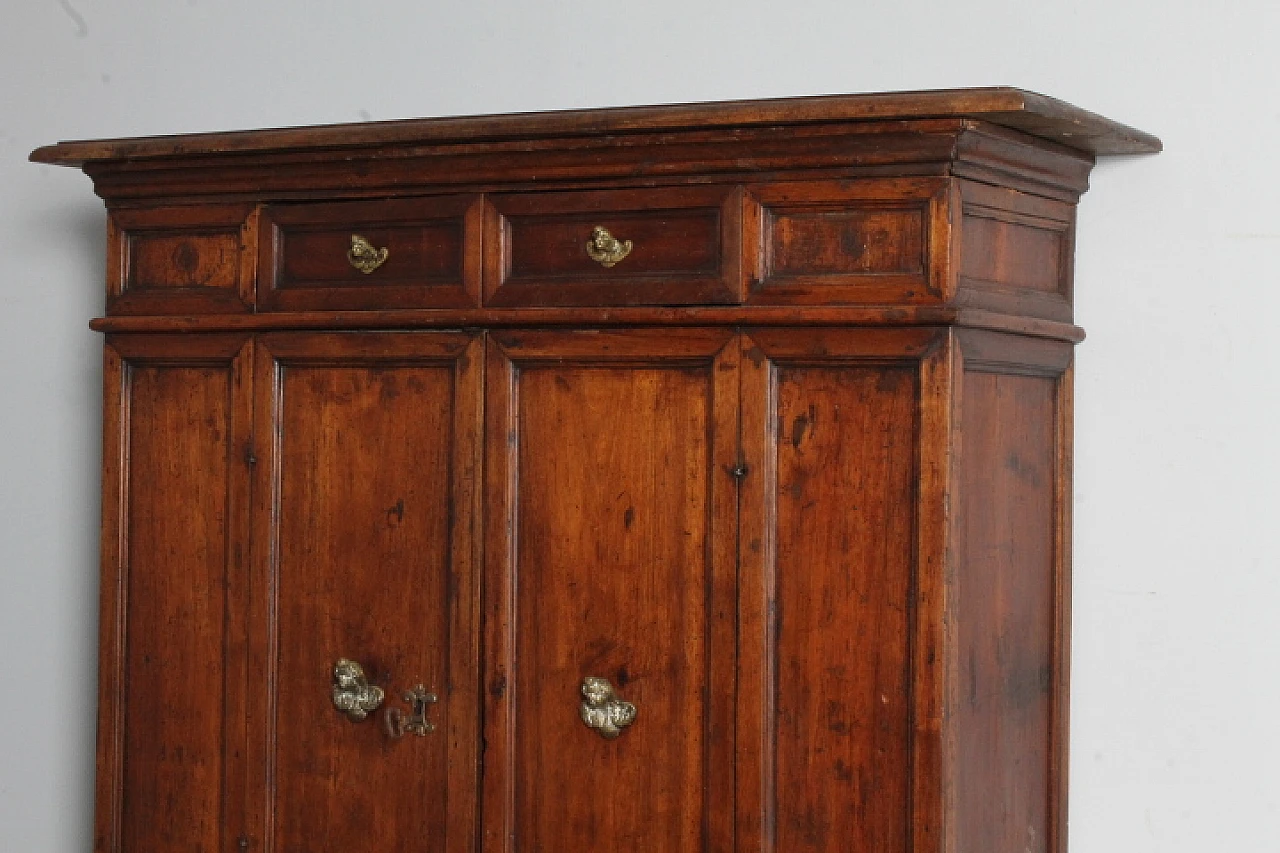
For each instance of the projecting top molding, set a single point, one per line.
(1037, 115)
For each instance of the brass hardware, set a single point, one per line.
(605, 249)
(364, 256)
(352, 693)
(416, 723)
(602, 710)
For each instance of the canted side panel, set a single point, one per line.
(613, 582)
(846, 463)
(1015, 252)
(1005, 613)
(174, 578)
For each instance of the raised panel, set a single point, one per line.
(1015, 252)
(174, 595)
(430, 254)
(1010, 593)
(170, 260)
(611, 555)
(685, 247)
(365, 514)
(860, 241)
(845, 436)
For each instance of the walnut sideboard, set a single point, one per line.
(662, 479)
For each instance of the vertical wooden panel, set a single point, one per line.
(832, 427)
(172, 654)
(1009, 584)
(367, 503)
(613, 557)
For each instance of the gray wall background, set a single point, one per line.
(1175, 745)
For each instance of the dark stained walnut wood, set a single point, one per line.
(171, 730)
(365, 518)
(866, 241)
(1029, 112)
(683, 246)
(793, 476)
(613, 558)
(432, 255)
(173, 260)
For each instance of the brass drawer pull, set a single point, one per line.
(605, 249)
(364, 256)
(353, 695)
(602, 710)
(416, 722)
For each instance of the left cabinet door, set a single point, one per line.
(364, 550)
(177, 418)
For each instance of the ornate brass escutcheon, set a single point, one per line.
(605, 249)
(416, 723)
(602, 710)
(352, 693)
(364, 256)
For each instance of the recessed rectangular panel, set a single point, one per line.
(1001, 247)
(610, 549)
(828, 242)
(664, 246)
(848, 242)
(171, 260)
(391, 253)
(364, 522)
(363, 574)
(1005, 604)
(845, 537)
(175, 586)
(159, 260)
(613, 583)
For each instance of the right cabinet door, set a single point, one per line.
(611, 590)
(845, 439)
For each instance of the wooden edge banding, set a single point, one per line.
(862, 317)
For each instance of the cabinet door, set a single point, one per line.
(174, 588)
(610, 554)
(845, 433)
(364, 507)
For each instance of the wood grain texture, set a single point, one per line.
(433, 254)
(612, 555)
(174, 594)
(1008, 582)
(849, 616)
(794, 475)
(366, 519)
(871, 241)
(686, 247)
(168, 260)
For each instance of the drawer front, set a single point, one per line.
(180, 260)
(667, 246)
(848, 242)
(398, 253)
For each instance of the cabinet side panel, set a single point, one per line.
(1005, 593)
(174, 670)
(845, 538)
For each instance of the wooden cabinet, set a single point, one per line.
(660, 479)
